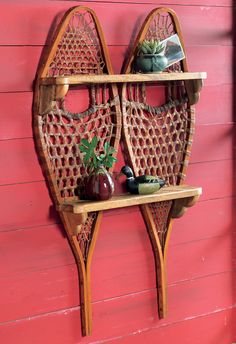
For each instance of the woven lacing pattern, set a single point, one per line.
(86, 233)
(159, 140)
(159, 137)
(79, 50)
(63, 131)
(160, 212)
(169, 130)
(160, 28)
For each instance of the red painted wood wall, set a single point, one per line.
(39, 293)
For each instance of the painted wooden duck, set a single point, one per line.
(142, 184)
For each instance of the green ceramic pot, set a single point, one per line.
(150, 63)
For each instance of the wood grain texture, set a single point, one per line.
(23, 62)
(34, 196)
(43, 269)
(81, 28)
(121, 78)
(13, 168)
(22, 203)
(201, 24)
(128, 232)
(17, 118)
(63, 324)
(214, 327)
(39, 299)
(208, 111)
(214, 183)
(128, 200)
(178, 3)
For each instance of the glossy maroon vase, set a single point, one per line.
(99, 185)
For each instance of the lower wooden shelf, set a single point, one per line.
(127, 200)
(81, 79)
(82, 220)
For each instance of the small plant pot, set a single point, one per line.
(150, 63)
(99, 185)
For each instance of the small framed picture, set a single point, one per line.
(173, 50)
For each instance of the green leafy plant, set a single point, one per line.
(94, 159)
(153, 46)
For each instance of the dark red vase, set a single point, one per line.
(99, 185)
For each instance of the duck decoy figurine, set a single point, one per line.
(142, 184)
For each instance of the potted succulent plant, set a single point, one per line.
(150, 57)
(99, 184)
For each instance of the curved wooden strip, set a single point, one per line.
(77, 48)
(180, 206)
(127, 66)
(43, 71)
(158, 138)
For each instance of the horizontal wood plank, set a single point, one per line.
(23, 62)
(177, 3)
(16, 121)
(39, 282)
(204, 23)
(26, 205)
(45, 247)
(214, 327)
(128, 200)
(21, 164)
(215, 183)
(26, 199)
(121, 78)
(217, 216)
(208, 111)
(187, 300)
(206, 145)
(38, 264)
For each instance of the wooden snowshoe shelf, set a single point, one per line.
(121, 78)
(176, 193)
(157, 139)
(55, 88)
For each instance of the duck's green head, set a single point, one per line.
(127, 171)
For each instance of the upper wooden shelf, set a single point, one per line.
(127, 200)
(121, 78)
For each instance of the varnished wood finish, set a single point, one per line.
(82, 229)
(158, 216)
(160, 261)
(55, 88)
(178, 193)
(75, 214)
(143, 31)
(83, 268)
(193, 89)
(180, 206)
(121, 78)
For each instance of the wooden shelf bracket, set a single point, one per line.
(48, 95)
(156, 139)
(53, 89)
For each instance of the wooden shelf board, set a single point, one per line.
(127, 200)
(121, 78)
